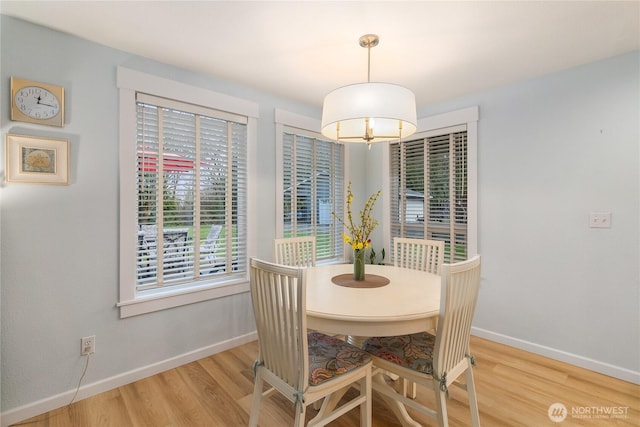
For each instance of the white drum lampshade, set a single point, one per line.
(369, 112)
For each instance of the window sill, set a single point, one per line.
(169, 299)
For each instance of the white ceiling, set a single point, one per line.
(302, 50)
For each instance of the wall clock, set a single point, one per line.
(36, 102)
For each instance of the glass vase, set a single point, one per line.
(358, 264)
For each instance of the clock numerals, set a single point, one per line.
(37, 102)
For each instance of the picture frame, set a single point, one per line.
(36, 160)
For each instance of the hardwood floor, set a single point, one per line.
(515, 388)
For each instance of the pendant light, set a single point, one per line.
(369, 112)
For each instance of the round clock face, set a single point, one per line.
(37, 103)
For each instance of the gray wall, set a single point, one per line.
(59, 244)
(550, 150)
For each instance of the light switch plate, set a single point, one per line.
(600, 219)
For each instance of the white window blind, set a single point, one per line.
(429, 190)
(191, 193)
(313, 187)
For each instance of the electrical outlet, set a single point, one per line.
(600, 219)
(88, 345)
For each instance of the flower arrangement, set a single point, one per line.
(358, 235)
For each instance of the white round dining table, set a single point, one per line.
(409, 303)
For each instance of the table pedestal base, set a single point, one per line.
(379, 384)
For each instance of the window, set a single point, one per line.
(191, 192)
(312, 187)
(188, 225)
(433, 186)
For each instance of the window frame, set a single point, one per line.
(467, 117)
(288, 122)
(131, 301)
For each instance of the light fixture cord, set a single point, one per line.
(367, 128)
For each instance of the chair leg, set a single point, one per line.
(473, 401)
(365, 408)
(441, 405)
(257, 397)
(301, 411)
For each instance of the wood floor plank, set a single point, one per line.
(237, 385)
(515, 388)
(146, 403)
(219, 406)
(185, 409)
(104, 412)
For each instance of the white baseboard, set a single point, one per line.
(573, 359)
(50, 403)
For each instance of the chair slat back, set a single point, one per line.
(418, 254)
(296, 251)
(279, 305)
(459, 294)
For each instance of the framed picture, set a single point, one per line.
(36, 160)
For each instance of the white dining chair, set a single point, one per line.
(436, 361)
(418, 254)
(295, 251)
(303, 366)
